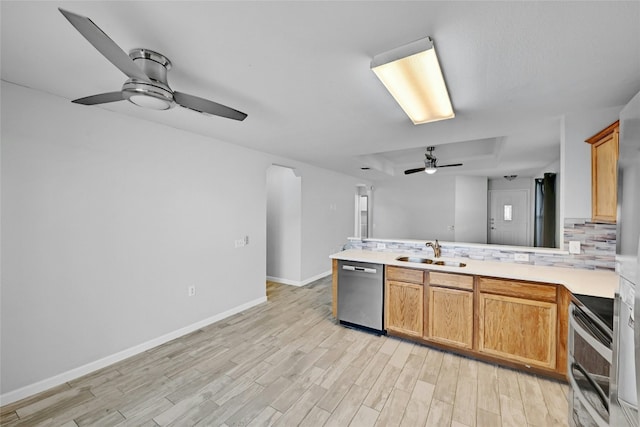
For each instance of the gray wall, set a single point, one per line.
(471, 209)
(310, 214)
(107, 219)
(328, 211)
(415, 207)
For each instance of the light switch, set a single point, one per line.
(574, 246)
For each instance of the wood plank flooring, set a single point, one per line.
(287, 363)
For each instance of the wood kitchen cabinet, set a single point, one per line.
(518, 321)
(604, 158)
(515, 323)
(450, 309)
(404, 300)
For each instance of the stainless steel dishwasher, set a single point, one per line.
(361, 295)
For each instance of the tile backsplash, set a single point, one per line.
(597, 241)
(597, 248)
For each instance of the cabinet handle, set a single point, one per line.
(361, 269)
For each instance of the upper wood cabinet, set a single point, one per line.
(604, 161)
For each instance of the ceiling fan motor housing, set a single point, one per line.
(155, 94)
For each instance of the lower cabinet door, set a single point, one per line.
(450, 319)
(518, 329)
(404, 308)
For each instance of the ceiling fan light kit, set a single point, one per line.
(147, 85)
(430, 170)
(412, 74)
(156, 94)
(430, 166)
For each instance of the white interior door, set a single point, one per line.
(509, 217)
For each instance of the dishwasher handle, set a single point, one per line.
(360, 269)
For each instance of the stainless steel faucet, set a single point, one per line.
(436, 248)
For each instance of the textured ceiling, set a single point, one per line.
(300, 70)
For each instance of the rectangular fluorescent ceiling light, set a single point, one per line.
(412, 74)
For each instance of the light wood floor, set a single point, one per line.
(287, 363)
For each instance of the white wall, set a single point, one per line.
(525, 183)
(284, 228)
(470, 208)
(328, 212)
(416, 206)
(107, 219)
(575, 158)
(321, 209)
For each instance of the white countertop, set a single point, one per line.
(598, 283)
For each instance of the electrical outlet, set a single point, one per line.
(381, 246)
(239, 243)
(521, 257)
(191, 291)
(574, 246)
(246, 240)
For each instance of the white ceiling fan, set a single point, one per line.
(147, 71)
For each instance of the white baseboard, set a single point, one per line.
(298, 282)
(40, 386)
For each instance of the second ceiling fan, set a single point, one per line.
(430, 164)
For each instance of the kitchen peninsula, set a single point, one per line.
(502, 312)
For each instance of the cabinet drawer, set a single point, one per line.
(458, 281)
(515, 288)
(405, 275)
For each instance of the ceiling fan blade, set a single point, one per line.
(410, 171)
(202, 105)
(448, 166)
(107, 47)
(102, 98)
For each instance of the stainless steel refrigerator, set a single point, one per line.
(626, 352)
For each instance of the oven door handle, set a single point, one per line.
(603, 350)
(585, 402)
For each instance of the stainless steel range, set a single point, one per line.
(590, 354)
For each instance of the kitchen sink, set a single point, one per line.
(450, 263)
(430, 261)
(415, 259)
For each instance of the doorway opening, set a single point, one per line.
(284, 225)
(362, 228)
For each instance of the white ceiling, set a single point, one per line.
(300, 70)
